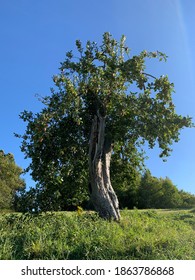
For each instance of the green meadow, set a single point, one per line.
(82, 235)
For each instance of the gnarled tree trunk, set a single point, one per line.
(102, 194)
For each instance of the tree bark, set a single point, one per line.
(102, 194)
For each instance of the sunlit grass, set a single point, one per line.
(147, 234)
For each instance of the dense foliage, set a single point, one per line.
(10, 181)
(99, 80)
(140, 235)
(162, 193)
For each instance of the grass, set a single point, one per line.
(141, 234)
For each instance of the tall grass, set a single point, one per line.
(140, 235)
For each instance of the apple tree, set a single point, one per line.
(104, 104)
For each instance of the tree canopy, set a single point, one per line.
(10, 181)
(106, 85)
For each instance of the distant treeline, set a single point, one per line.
(152, 192)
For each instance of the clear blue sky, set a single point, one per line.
(35, 35)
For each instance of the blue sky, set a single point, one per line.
(36, 34)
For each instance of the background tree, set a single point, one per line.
(158, 193)
(188, 200)
(105, 102)
(150, 191)
(171, 197)
(10, 181)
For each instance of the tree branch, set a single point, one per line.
(149, 75)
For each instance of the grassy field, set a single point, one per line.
(141, 234)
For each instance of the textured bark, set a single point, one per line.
(102, 194)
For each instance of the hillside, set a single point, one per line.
(141, 234)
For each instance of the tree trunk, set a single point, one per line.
(102, 194)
